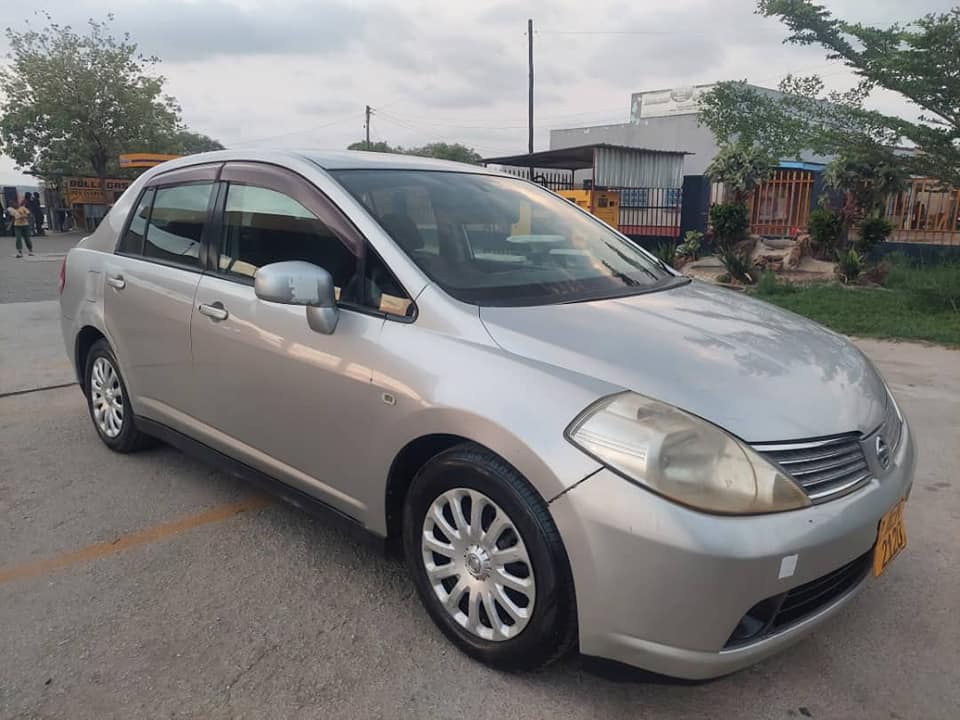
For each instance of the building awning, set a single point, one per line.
(574, 158)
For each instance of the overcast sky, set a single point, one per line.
(295, 73)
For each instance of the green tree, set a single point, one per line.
(375, 147)
(187, 142)
(73, 102)
(448, 151)
(443, 151)
(741, 169)
(918, 60)
(869, 175)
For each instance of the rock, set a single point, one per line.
(705, 263)
(781, 243)
(768, 257)
(765, 262)
(799, 248)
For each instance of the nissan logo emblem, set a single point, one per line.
(883, 453)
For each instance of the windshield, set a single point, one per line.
(492, 240)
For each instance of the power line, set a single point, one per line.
(459, 126)
(298, 132)
(419, 132)
(619, 32)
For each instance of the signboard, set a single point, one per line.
(664, 103)
(144, 160)
(87, 191)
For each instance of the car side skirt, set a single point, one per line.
(264, 482)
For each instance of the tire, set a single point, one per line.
(547, 624)
(108, 402)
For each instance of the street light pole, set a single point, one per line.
(366, 124)
(530, 94)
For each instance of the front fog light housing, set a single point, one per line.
(682, 457)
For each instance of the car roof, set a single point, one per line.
(359, 160)
(325, 159)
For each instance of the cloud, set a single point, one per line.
(181, 30)
(299, 72)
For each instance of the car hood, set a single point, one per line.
(762, 373)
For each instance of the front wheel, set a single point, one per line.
(487, 560)
(108, 402)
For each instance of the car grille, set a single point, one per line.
(823, 468)
(782, 611)
(831, 467)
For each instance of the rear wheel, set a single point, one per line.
(108, 402)
(487, 560)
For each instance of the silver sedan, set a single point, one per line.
(574, 445)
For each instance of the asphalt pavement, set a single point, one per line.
(149, 585)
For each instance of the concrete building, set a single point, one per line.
(663, 120)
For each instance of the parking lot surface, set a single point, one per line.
(150, 585)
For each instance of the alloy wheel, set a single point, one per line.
(106, 397)
(478, 565)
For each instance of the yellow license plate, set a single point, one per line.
(891, 538)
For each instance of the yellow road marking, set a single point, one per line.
(125, 542)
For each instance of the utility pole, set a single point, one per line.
(366, 124)
(530, 94)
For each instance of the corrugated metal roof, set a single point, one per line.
(576, 158)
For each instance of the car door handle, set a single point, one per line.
(116, 281)
(215, 311)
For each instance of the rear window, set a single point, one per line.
(176, 223)
(132, 242)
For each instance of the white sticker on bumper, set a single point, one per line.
(788, 566)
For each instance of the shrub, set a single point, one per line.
(849, 265)
(667, 252)
(730, 223)
(768, 284)
(873, 231)
(690, 247)
(826, 231)
(736, 259)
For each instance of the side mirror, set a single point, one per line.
(295, 282)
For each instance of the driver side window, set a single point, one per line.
(263, 226)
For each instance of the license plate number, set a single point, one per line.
(891, 538)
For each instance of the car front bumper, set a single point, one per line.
(662, 587)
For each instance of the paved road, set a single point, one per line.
(150, 586)
(33, 278)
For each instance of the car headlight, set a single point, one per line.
(682, 457)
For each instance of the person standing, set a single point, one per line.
(37, 211)
(21, 226)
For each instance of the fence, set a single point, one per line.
(924, 213)
(779, 205)
(644, 211)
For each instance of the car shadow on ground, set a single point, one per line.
(336, 542)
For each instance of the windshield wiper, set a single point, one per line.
(630, 261)
(622, 276)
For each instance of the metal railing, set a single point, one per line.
(925, 212)
(778, 207)
(644, 211)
